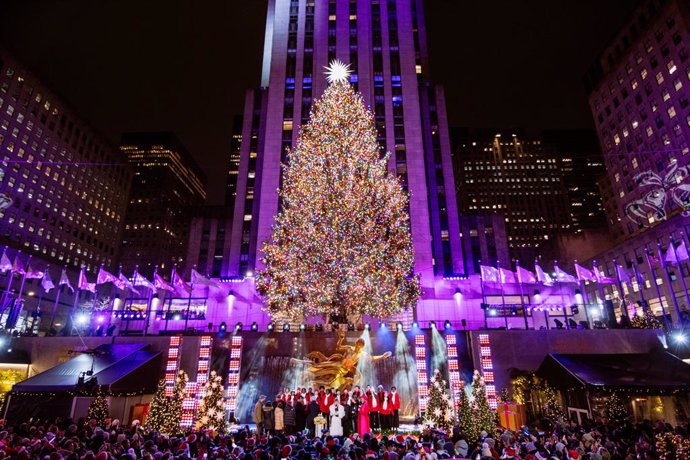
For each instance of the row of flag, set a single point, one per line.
(674, 255)
(176, 285)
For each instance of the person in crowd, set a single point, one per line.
(395, 403)
(258, 414)
(279, 417)
(337, 413)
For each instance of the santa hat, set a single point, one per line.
(286, 451)
(400, 439)
(574, 454)
(191, 439)
(250, 442)
(182, 446)
(510, 452)
(258, 453)
(371, 453)
(102, 456)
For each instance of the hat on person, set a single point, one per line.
(510, 452)
(286, 451)
(102, 455)
(573, 454)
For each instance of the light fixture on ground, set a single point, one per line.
(399, 326)
(302, 327)
(537, 296)
(269, 327)
(286, 327)
(350, 327)
(255, 327)
(680, 337)
(238, 326)
(415, 325)
(367, 326)
(458, 295)
(447, 324)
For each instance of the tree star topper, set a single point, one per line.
(338, 71)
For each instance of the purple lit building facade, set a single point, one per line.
(639, 95)
(385, 43)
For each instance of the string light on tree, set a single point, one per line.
(439, 410)
(341, 243)
(99, 408)
(483, 417)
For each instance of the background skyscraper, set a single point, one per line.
(385, 44)
(167, 183)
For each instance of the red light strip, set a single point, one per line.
(233, 380)
(172, 364)
(422, 376)
(195, 389)
(487, 366)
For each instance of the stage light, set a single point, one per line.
(177, 317)
(351, 327)
(255, 327)
(537, 296)
(458, 295)
(286, 327)
(415, 325)
(382, 325)
(399, 326)
(680, 338)
(493, 312)
(318, 327)
(447, 324)
(238, 326)
(100, 319)
(270, 326)
(302, 327)
(432, 324)
(367, 326)
(82, 319)
(558, 323)
(249, 274)
(117, 303)
(155, 302)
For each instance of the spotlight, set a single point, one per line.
(680, 338)
(399, 326)
(100, 319)
(415, 325)
(447, 324)
(578, 297)
(238, 326)
(432, 324)
(286, 327)
(559, 323)
(302, 327)
(458, 295)
(351, 327)
(319, 327)
(382, 325)
(492, 312)
(270, 326)
(367, 326)
(177, 317)
(82, 319)
(255, 327)
(537, 296)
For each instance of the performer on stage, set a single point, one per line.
(385, 412)
(363, 423)
(395, 402)
(337, 413)
(373, 403)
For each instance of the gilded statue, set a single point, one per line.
(339, 370)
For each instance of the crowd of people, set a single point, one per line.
(360, 411)
(85, 440)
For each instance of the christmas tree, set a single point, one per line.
(156, 418)
(615, 409)
(483, 418)
(175, 408)
(467, 425)
(646, 321)
(552, 404)
(98, 409)
(341, 243)
(211, 413)
(439, 409)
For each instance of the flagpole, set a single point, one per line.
(18, 300)
(522, 300)
(583, 293)
(624, 308)
(481, 287)
(670, 283)
(656, 287)
(503, 298)
(57, 298)
(546, 313)
(680, 270)
(189, 301)
(560, 289)
(76, 300)
(10, 275)
(40, 298)
(597, 276)
(640, 286)
(149, 303)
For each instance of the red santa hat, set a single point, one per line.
(286, 451)
(102, 456)
(510, 452)
(371, 453)
(573, 454)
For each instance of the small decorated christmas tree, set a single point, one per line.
(552, 405)
(211, 413)
(646, 321)
(615, 409)
(99, 409)
(484, 419)
(439, 410)
(156, 418)
(175, 411)
(467, 425)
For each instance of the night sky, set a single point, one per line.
(183, 66)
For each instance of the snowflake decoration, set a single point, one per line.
(337, 71)
(437, 412)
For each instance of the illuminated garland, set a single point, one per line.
(439, 410)
(341, 243)
(671, 446)
(483, 417)
(615, 409)
(646, 321)
(165, 412)
(211, 412)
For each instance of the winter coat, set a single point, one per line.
(258, 415)
(269, 417)
(278, 414)
(289, 415)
